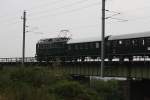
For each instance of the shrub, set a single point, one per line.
(70, 90)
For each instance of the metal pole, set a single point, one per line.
(24, 31)
(103, 38)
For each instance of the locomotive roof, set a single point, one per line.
(51, 40)
(82, 40)
(130, 36)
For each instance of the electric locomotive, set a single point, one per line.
(50, 49)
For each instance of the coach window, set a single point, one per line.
(148, 40)
(76, 47)
(86, 46)
(133, 42)
(127, 42)
(120, 42)
(91, 45)
(80, 46)
(148, 48)
(41, 46)
(97, 45)
(143, 42)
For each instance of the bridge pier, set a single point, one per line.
(81, 79)
(1, 66)
(136, 89)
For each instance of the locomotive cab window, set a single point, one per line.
(114, 43)
(69, 47)
(148, 48)
(38, 45)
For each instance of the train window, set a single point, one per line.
(133, 42)
(41, 46)
(92, 45)
(148, 48)
(114, 50)
(45, 46)
(81, 46)
(76, 47)
(120, 42)
(114, 43)
(86, 46)
(148, 41)
(49, 46)
(38, 45)
(127, 42)
(143, 42)
(136, 42)
(69, 47)
(97, 45)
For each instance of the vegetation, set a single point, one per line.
(50, 84)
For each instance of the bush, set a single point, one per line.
(36, 76)
(45, 84)
(108, 90)
(70, 90)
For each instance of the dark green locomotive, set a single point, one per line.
(50, 49)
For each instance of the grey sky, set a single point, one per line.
(81, 17)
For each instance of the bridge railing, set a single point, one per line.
(17, 59)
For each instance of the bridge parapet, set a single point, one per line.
(17, 59)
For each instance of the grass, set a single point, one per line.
(40, 83)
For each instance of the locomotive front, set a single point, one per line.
(51, 49)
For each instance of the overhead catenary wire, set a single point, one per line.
(5, 18)
(32, 8)
(47, 4)
(65, 12)
(18, 22)
(62, 7)
(51, 3)
(71, 11)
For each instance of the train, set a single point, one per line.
(127, 46)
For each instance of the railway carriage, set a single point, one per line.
(82, 48)
(130, 45)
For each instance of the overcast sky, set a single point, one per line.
(81, 17)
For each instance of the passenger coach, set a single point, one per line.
(129, 45)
